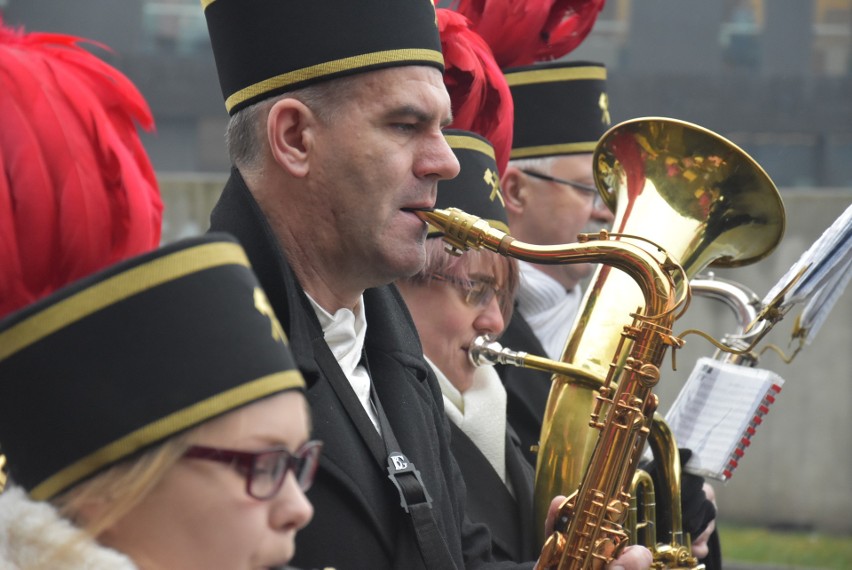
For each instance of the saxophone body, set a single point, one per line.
(684, 199)
(623, 409)
(692, 193)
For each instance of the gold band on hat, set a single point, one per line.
(470, 143)
(331, 68)
(166, 427)
(549, 75)
(553, 149)
(116, 289)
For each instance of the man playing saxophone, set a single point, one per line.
(335, 147)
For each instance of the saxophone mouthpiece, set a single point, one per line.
(483, 351)
(429, 216)
(462, 231)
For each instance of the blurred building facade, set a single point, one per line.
(775, 76)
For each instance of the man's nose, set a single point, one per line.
(438, 160)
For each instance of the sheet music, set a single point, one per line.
(715, 413)
(831, 251)
(820, 305)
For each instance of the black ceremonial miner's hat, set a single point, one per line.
(560, 108)
(130, 356)
(267, 47)
(476, 190)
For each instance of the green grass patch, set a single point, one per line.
(783, 548)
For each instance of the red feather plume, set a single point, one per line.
(78, 191)
(524, 32)
(480, 97)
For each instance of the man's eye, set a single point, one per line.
(405, 127)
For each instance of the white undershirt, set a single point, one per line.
(344, 332)
(548, 308)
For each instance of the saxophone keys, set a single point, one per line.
(551, 552)
(615, 510)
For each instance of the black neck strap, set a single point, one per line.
(413, 497)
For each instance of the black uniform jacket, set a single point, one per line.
(510, 518)
(358, 522)
(526, 389)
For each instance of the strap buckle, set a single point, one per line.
(406, 478)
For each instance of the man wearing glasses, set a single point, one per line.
(561, 110)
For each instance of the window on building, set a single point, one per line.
(173, 27)
(740, 33)
(832, 37)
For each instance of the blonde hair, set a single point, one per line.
(120, 488)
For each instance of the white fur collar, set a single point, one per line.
(32, 536)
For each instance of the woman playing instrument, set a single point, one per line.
(452, 301)
(152, 417)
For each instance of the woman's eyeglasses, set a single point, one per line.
(588, 191)
(266, 470)
(476, 292)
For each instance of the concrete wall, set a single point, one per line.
(798, 470)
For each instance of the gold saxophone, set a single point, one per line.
(705, 202)
(623, 410)
(642, 516)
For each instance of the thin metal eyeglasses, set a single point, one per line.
(477, 293)
(586, 189)
(266, 470)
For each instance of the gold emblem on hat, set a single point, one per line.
(603, 103)
(493, 180)
(261, 303)
(2, 471)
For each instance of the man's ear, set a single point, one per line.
(514, 188)
(290, 130)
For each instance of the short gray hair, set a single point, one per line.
(543, 164)
(247, 127)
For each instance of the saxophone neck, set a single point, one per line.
(484, 351)
(463, 231)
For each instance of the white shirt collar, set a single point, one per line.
(345, 331)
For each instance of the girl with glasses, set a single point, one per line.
(152, 417)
